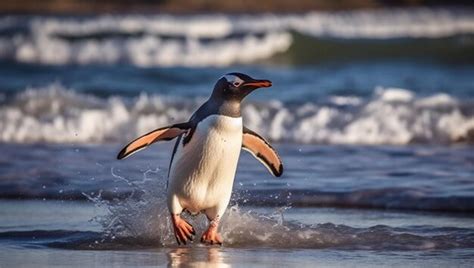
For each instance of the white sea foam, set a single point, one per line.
(209, 40)
(391, 116)
(150, 50)
(415, 23)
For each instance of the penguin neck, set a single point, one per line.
(225, 107)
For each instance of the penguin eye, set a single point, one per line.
(236, 83)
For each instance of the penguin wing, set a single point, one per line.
(164, 133)
(263, 151)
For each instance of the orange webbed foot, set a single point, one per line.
(183, 231)
(211, 236)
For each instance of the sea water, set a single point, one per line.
(372, 113)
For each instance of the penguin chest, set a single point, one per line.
(203, 170)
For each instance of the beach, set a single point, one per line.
(371, 111)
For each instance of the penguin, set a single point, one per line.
(205, 156)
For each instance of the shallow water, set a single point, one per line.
(316, 205)
(94, 210)
(68, 237)
(416, 177)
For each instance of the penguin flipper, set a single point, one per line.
(164, 133)
(263, 151)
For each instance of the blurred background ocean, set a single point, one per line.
(371, 109)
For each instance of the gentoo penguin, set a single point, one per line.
(204, 160)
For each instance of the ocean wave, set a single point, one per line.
(208, 40)
(54, 114)
(150, 51)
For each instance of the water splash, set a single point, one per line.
(142, 220)
(142, 215)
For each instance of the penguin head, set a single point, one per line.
(236, 86)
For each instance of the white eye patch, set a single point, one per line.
(234, 80)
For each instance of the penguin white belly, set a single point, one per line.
(202, 171)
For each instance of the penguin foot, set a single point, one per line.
(211, 236)
(183, 231)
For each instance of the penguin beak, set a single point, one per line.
(259, 83)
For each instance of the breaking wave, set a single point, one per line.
(211, 40)
(55, 114)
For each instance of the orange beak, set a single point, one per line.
(259, 83)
